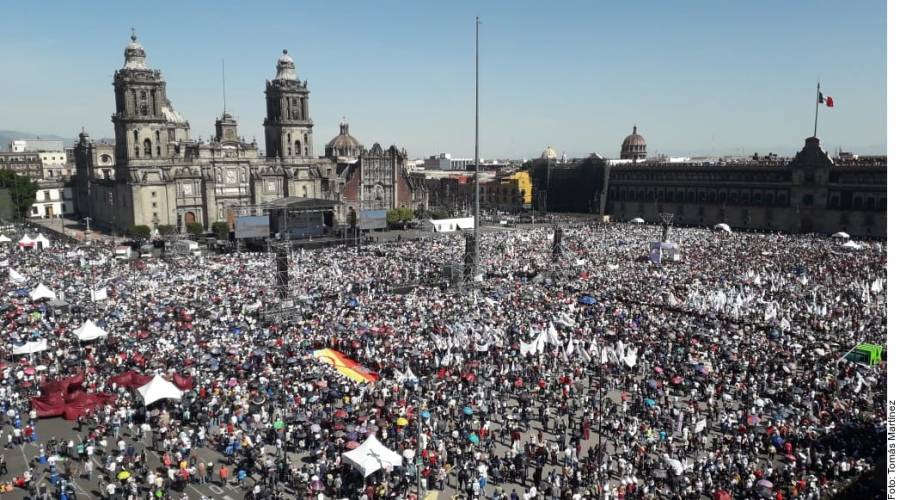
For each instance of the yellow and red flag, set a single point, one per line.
(346, 366)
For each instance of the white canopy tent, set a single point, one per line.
(4, 238)
(637, 220)
(31, 347)
(42, 241)
(451, 225)
(372, 456)
(42, 292)
(158, 388)
(26, 241)
(852, 245)
(722, 227)
(841, 235)
(89, 331)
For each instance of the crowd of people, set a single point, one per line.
(596, 374)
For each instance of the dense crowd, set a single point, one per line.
(599, 375)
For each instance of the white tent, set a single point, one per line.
(31, 347)
(159, 388)
(25, 241)
(4, 238)
(16, 277)
(722, 227)
(852, 245)
(42, 292)
(89, 331)
(42, 241)
(450, 225)
(372, 456)
(637, 220)
(842, 235)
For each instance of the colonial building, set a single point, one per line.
(156, 174)
(810, 192)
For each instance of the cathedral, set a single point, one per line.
(156, 174)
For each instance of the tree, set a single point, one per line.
(405, 214)
(195, 228)
(393, 217)
(221, 229)
(439, 213)
(139, 232)
(421, 213)
(22, 190)
(165, 229)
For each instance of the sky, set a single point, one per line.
(697, 77)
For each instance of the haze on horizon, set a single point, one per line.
(697, 78)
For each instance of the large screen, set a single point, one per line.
(251, 226)
(372, 219)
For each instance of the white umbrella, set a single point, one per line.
(159, 388)
(722, 227)
(842, 235)
(89, 331)
(42, 292)
(637, 220)
(852, 245)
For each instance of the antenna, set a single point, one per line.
(224, 102)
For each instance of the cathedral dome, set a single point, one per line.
(634, 146)
(343, 144)
(548, 154)
(285, 69)
(134, 54)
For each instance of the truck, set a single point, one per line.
(187, 247)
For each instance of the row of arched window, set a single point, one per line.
(770, 198)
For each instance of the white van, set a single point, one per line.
(187, 247)
(123, 252)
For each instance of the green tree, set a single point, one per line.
(221, 229)
(139, 232)
(405, 214)
(165, 229)
(421, 213)
(22, 190)
(195, 228)
(439, 213)
(393, 217)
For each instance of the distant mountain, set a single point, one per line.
(9, 135)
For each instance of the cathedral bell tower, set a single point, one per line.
(287, 124)
(143, 115)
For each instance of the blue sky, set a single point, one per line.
(697, 77)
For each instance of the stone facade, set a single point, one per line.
(155, 174)
(810, 193)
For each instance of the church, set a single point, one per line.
(155, 174)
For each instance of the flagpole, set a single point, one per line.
(477, 221)
(816, 123)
